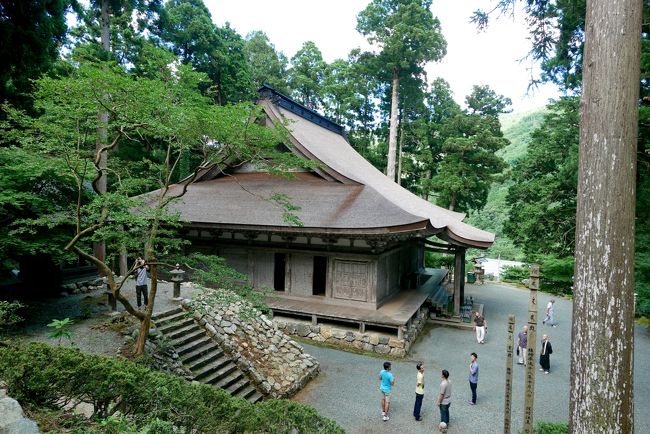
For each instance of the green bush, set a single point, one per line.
(551, 428)
(41, 375)
(514, 274)
(437, 260)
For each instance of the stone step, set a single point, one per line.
(191, 357)
(217, 376)
(167, 313)
(235, 388)
(183, 331)
(229, 380)
(171, 326)
(204, 358)
(192, 346)
(256, 396)
(211, 367)
(165, 321)
(195, 334)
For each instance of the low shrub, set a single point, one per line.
(42, 375)
(514, 274)
(551, 428)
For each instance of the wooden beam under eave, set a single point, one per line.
(459, 279)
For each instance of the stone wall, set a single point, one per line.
(277, 365)
(373, 342)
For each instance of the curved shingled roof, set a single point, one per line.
(343, 163)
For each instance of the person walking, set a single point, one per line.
(386, 383)
(480, 327)
(141, 282)
(419, 392)
(473, 376)
(444, 400)
(545, 355)
(550, 314)
(522, 344)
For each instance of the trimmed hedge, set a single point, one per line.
(41, 375)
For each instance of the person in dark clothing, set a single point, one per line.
(419, 392)
(545, 355)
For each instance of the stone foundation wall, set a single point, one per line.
(277, 365)
(373, 342)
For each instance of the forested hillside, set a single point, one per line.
(517, 128)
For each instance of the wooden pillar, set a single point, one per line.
(459, 279)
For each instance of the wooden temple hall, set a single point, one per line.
(358, 258)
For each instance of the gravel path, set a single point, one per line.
(347, 388)
(89, 312)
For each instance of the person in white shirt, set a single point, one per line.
(550, 314)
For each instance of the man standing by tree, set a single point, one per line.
(141, 282)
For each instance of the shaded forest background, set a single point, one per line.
(513, 174)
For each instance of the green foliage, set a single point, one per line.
(406, 32)
(306, 75)
(61, 329)
(551, 428)
(437, 260)
(267, 65)
(218, 52)
(469, 164)
(41, 375)
(514, 274)
(9, 314)
(32, 32)
(542, 198)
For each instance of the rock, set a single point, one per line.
(84, 289)
(3, 393)
(368, 347)
(302, 330)
(339, 334)
(225, 323)
(10, 412)
(383, 340)
(325, 332)
(315, 329)
(374, 340)
(319, 338)
(396, 343)
(382, 349)
(211, 329)
(349, 336)
(21, 426)
(398, 352)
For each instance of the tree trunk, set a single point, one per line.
(102, 135)
(392, 136)
(399, 155)
(601, 398)
(146, 321)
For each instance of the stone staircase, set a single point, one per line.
(203, 356)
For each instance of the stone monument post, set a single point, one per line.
(529, 393)
(507, 409)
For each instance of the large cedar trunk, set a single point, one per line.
(601, 399)
(392, 135)
(102, 136)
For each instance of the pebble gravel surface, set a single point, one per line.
(347, 390)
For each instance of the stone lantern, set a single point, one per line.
(177, 278)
